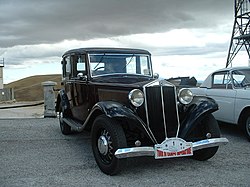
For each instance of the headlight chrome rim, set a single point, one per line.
(185, 96)
(136, 97)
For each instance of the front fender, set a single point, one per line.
(115, 110)
(118, 111)
(197, 110)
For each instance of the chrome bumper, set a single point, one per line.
(149, 151)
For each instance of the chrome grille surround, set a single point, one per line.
(163, 103)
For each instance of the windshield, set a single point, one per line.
(106, 63)
(241, 78)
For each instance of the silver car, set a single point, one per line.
(230, 88)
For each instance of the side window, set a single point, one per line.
(221, 80)
(81, 65)
(218, 79)
(78, 65)
(67, 67)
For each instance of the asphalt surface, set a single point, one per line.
(33, 152)
(21, 110)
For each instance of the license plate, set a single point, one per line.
(173, 147)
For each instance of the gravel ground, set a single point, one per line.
(33, 152)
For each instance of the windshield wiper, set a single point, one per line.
(99, 62)
(130, 60)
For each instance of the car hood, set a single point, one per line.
(128, 80)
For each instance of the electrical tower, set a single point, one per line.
(241, 30)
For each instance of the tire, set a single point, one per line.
(107, 136)
(65, 128)
(207, 125)
(246, 126)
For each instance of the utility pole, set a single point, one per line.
(241, 30)
(1, 73)
(2, 62)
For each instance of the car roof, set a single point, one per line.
(232, 68)
(208, 81)
(107, 50)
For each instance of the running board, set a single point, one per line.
(73, 123)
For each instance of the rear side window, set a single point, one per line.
(66, 67)
(221, 80)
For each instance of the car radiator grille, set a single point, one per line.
(161, 111)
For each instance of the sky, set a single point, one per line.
(185, 38)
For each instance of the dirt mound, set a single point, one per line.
(30, 88)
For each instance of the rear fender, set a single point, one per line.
(197, 110)
(62, 99)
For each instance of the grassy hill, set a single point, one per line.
(30, 88)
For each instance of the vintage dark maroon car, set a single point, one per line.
(130, 112)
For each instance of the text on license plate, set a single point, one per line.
(173, 147)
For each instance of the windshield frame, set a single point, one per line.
(129, 55)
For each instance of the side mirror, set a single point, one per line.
(156, 75)
(81, 76)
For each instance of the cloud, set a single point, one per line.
(174, 42)
(35, 34)
(31, 22)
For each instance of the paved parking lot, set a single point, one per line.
(21, 110)
(33, 152)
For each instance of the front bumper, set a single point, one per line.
(150, 151)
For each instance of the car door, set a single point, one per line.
(79, 92)
(223, 93)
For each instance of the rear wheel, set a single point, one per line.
(65, 128)
(107, 136)
(207, 128)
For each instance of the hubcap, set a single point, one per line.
(103, 145)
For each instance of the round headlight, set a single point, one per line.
(136, 97)
(185, 96)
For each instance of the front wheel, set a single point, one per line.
(246, 126)
(107, 136)
(207, 128)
